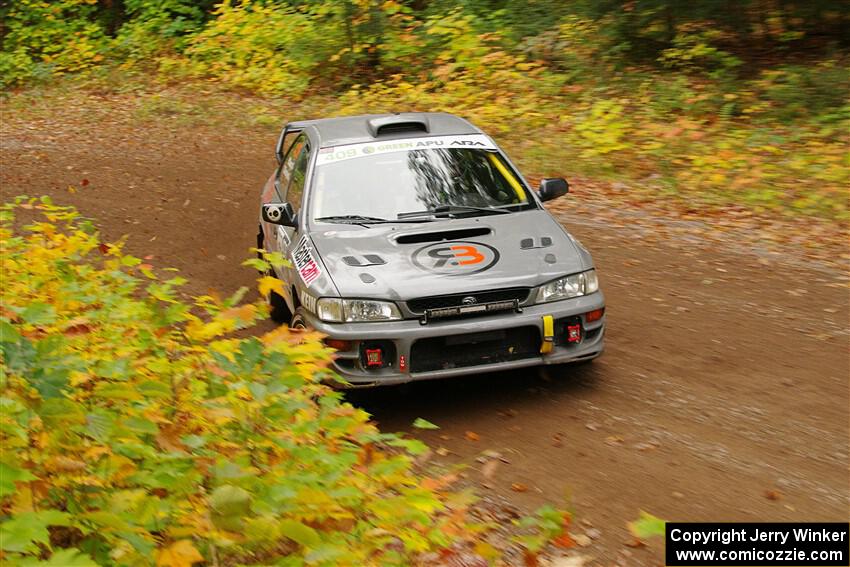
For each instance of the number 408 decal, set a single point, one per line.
(456, 258)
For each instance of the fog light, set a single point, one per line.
(573, 333)
(374, 358)
(594, 315)
(338, 344)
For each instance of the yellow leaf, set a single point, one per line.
(269, 283)
(179, 554)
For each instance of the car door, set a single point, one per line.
(291, 182)
(277, 237)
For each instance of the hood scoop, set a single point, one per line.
(364, 260)
(531, 243)
(458, 234)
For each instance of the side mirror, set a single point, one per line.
(280, 213)
(552, 188)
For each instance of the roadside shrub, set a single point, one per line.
(42, 38)
(793, 92)
(694, 50)
(263, 47)
(601, 130)
(138, 430)
(153, 27)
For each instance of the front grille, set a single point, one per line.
(420, 304)
(473, 349)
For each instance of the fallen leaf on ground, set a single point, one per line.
(489, 468)
(471, 436)
(646, 526)
(569, 561)
(420, 423)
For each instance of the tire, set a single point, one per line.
(279, 310)
(298, 321)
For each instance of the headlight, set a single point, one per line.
(356, 310)
(575, 285)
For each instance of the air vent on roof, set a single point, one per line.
(398, 123)
(442, 235)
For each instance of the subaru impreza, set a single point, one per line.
(420, 251)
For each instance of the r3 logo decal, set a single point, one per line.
(453, 255)
(456, 258)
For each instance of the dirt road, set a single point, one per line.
(723, 394)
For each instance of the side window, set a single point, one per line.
(284, 174)
(290, 137)
(299, 173)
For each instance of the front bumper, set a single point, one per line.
(403, 336)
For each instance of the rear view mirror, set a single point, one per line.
(553, 188)
(280, 213)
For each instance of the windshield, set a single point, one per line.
(386, 185)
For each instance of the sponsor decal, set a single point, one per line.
(305, 263)
(341, 153)
(458, 258)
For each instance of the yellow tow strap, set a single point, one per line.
(548, 334)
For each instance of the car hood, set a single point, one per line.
(406, 261)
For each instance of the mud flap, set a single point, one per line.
(548, 334)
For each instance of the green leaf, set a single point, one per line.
(25, 530)
(106, 520)
(229, 500)
(647, 526)
(39, 314)
(100, 425)
(8, 333)
(193, 441)
(299, 533)
(412, 446)
(117, 391)
(9, 475)
(154, 389)
(140, 425)
(61, 412)
(130, 261)
(420, 423)
(257, 264)
(62, 558)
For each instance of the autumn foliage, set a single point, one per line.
(137, 430)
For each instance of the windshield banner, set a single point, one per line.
(341, 153)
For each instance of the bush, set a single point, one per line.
(57, 37)
(136, 428)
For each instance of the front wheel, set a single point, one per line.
(298, 321)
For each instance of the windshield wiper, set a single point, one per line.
(354, 218)
(453, 209)
(361, 220)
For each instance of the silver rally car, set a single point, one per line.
(421, 252)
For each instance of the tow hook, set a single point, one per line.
(548, 334)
